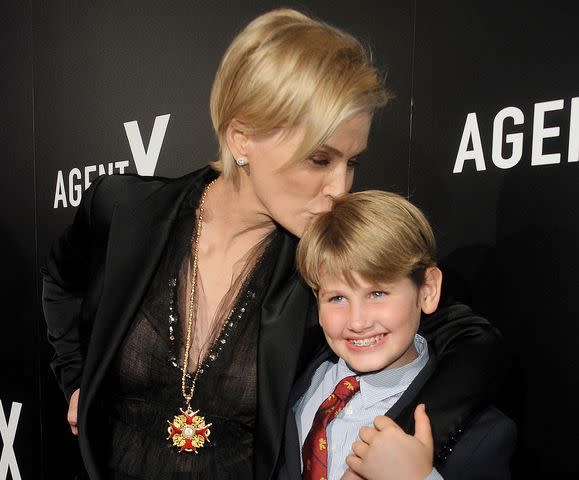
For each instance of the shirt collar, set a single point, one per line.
(378, 386)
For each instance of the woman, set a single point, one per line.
(178, 321)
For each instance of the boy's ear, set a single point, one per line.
(429, 293)
(237, 139)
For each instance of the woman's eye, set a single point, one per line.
(353, 163)
(320, 161)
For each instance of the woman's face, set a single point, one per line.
(294, 196)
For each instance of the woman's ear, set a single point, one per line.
(429, 292)
(237, 139)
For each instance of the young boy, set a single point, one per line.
(371, 263)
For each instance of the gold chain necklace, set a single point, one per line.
(188, 430)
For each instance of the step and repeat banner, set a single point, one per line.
(495, 162)
(483, 134)
(21, 429)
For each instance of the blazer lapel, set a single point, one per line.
(403, 410)
(285, 311)
(291, 468)
(136, 241)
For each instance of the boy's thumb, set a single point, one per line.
(422, 429)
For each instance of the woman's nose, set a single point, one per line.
(338, 182)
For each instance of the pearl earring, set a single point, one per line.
(241, 161)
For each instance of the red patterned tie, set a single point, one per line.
(314, 451)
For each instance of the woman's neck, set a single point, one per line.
(234, 216)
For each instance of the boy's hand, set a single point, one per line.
(350, 475)
(386, 452)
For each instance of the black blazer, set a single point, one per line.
(97, 274)
(480, 450)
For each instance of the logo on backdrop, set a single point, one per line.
(8, 428)
(71, 185)
(475, 156)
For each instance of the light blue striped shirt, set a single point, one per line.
(379, 391)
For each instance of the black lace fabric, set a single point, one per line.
(146, 375)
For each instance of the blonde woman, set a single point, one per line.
(178, 320)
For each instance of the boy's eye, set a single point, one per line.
(336, 298)
(377, 294)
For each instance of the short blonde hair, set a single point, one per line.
(379, 235)
(286, 69)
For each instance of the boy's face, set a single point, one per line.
(372, 326)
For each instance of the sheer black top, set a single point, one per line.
(146, 374)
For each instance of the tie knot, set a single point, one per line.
(347, 387)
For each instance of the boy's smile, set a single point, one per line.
(371, 326)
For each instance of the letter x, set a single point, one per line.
(8, 432)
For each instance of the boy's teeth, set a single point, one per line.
(366, 342)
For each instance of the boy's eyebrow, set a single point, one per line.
(322, 291)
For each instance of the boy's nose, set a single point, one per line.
(359, 320)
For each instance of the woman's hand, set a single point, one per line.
(72, 411)
(387, 452)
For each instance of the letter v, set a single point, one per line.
(146, 161)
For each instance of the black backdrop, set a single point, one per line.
(76, 76)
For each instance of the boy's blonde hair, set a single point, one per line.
(286, 69)
(379, 235)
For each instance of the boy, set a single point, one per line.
(371, 263)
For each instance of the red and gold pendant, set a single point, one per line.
(188, 431)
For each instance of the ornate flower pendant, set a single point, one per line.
(188, 431)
